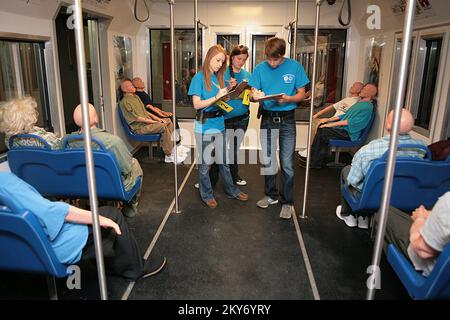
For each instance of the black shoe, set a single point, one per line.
(129, 210)
(153, 266)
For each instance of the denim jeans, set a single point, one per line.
(234, 141)
(284, 134)
(212, 148)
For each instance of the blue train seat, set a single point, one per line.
(416, 182)
(147, 138)
(338, 146)
(24, 246)
(435, 286)
(62, 173)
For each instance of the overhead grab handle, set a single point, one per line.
(136, 11)
(349, 17)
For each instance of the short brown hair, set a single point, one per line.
(275, 47)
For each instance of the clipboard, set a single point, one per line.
(234, 92)
(271, 97)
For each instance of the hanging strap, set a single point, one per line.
(349, 13)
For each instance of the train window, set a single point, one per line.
(422, 78)
(397, 52)
(22, 73)
(428, 67)
(228, 41)
(161, 90)
(331, 58)
(258, 45)
(330, 64)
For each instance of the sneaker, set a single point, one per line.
(266, 202)
(303, 153)
(168, 159)
(241, 182)
(153, 266)
(197, 185)
(287, 211)
(129, 210)
(363, 222)
(349, 220)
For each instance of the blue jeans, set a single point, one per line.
(234, 154)
(212, 148)
(284, 134)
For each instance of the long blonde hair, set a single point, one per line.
(18, 116)
(212, 52)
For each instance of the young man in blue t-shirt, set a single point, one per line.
(278, 75)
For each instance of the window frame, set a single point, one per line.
(437, 118)
(228, 34)
(39, 63)
(150, 82)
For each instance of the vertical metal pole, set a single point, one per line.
(295, 31)
(393, 143)
(196, 34)
(82, 79)
(313, 93)
(172, 60)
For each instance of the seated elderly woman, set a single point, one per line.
(19, 116)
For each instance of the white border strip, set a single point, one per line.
(311, 278)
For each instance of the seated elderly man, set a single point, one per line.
(155, 112)
(70, 234)
(129, 166)
(348, 126)
(19, 116)
(146, 100)
(141, 121)
(341, 107)
(354, 175)
(422, 236)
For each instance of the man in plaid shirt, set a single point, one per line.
(354, 175)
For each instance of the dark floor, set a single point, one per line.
(236, 251)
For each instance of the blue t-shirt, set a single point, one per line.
(198, 88)
(358, 117)
(236, 104)
(67, 239)
(286, 78)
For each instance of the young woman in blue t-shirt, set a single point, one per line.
(236, 121)
(206, 87)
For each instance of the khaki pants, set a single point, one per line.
(315, 125)
(166, 131)
(130, 180)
